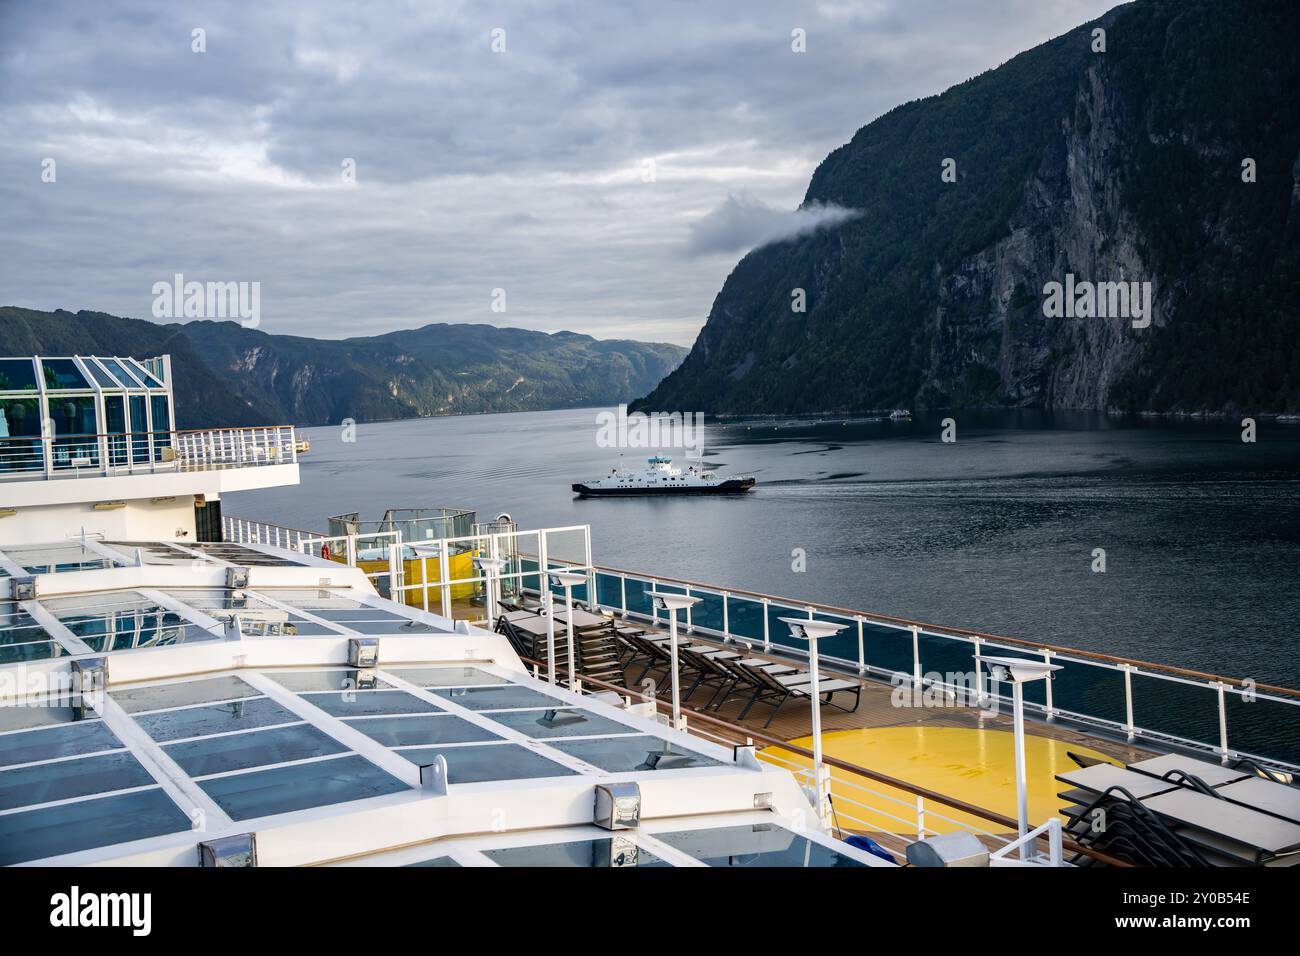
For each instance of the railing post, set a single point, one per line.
(916, 656)
(767, 637)
(862, 656)
(1223, 723)
(920, 818)
(979, 675)
(1128, 701)
(622, 592)
(1047, 659)
(654, 610)
(689, 625)
(726, 617)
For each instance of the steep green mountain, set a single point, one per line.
(228, 375)
(1117, 165)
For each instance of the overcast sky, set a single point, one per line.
(527, 170)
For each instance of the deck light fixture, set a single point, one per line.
(239, 850)
(363, 652)
(806, 629)
(1018, 671)
(672, 603)
(567, 580)
(490, 567)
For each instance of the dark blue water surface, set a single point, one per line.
(994, 532)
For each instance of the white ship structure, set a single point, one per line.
(662, 477)
(180, 687)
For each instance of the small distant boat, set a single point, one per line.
(663, 478)
(900, 415)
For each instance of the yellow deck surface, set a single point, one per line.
(977, 766)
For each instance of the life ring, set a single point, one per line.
(325, 552)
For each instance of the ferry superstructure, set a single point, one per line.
(662, 477)
(185, 688)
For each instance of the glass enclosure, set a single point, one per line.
(63, 414)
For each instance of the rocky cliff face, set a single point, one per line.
(1122, 165)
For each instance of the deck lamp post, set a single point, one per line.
(491, 567)
(567, 580)
(672, 603)
(806, 629)
(1017, 672)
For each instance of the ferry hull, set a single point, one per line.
(732, 486)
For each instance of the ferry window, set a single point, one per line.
(63, 373)
(17, 375)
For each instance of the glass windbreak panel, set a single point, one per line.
(260, 793)
(235, 715)
(610, 851)
(75, 428)
(348, 678)
(642, 752)
(199, 758)
(62, 374)
(17, 375)
(163, 696)
(116, 430)
(20, 435)
(759, 844)
(562, 722)
(475, 763)
(51, 559)
(49, 743)
(66, 779)
(497, 698)
(446, 676)
(421, 730)
(139, 428)
(367, 702)
(161, 425)
(86, 824)
(124, 378)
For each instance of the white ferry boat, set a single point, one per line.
(662, 477)
(180, 687)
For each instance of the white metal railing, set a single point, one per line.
(128, 453)
(746, 617)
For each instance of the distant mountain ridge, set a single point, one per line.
(1121, 165)
(227, 375)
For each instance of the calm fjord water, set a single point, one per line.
(993, 532)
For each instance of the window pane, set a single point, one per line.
(364, 702)
(163, 696)
(17, 375)
(67, 740)
(215, 719)
(282, 789)
(621, 754)
(476, 763)
(421, 729)
(490, 698)
(614, 851)
(762, 844)
(198, 758)
(53, 831)
(64, 779)
(20, 435)
(63, 373)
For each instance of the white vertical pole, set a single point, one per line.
(548, 599)
(767, 638)
(622, 592)
(726, 618)
(690, 626)
(920, 818)
(444, 577)
(1223, 723)
(862, 657)
(916, 656)
(1128, 700)
(568, 627)
(979, 675)
(1022, 787)
(672, 645)
(1051, 710)
(819, 769)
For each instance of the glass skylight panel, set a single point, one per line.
(62, 374)
(38, 651)
(476, 763)
(446, 676)
(98, 374)
(122, 620)
(235, 715)
(341, 679)
(237, 554)
(607, 851)
(53, 558)
(85, 824)
(29, 785)
(640, 752)
(496, 698)
(164, 696)
(259, 748)
(121, 374)
(562, 722)
(421, 730)
(260, 793)
(52, 743)
(153, 552)
(24, 714)
(143, 374)
(17, 375)
(369, 702)
(759, 844)
(437, 861)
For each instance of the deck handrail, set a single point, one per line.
(954, 803)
